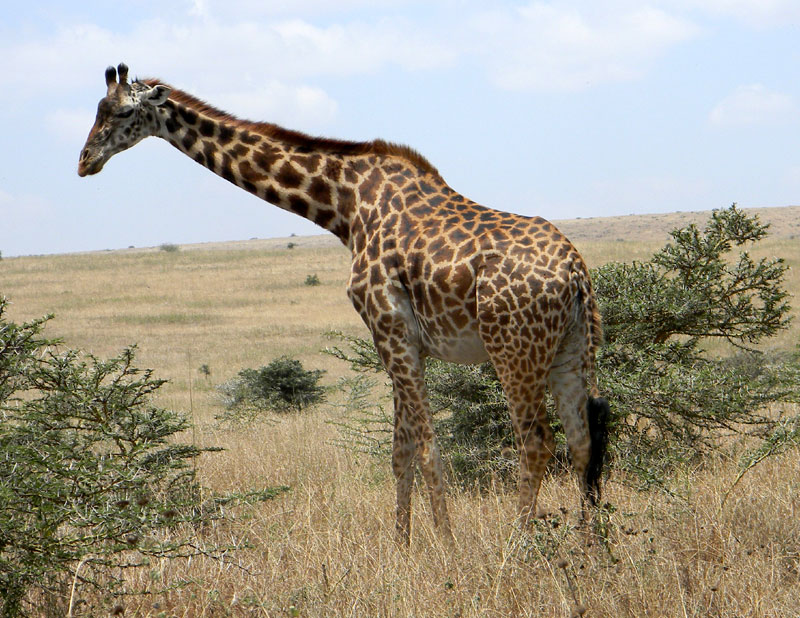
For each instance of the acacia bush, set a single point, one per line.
(94, 479)
(672, 402)
(478, 439)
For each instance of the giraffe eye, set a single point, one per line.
(125, 113)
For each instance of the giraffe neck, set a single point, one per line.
(314, 178)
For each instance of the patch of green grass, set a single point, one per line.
(176, 318)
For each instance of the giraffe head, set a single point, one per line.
(125, 116)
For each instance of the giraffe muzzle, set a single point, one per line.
(88, 166)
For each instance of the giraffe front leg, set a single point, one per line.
(388, 313)
(413, 436)
(431, 464)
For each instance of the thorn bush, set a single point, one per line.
(93, 477)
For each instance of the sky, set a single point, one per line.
(562, 108)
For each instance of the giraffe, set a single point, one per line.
(432, 274)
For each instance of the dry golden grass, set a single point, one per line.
(326, 547)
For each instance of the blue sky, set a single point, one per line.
(563, 109)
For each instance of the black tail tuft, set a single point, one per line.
(598, 412)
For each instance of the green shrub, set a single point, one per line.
(366, 425)
(671, 400)
(312, 280)
(93, 477)
(282, 386)
(169, 247)
(472, 422)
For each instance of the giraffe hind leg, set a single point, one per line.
(536, 445)
(584, 418)
(520, 362)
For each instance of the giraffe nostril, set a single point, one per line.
(84, 154)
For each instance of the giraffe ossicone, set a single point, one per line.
(432, 274)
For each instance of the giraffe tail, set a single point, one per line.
(598, 411)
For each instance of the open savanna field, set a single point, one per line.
(326, 547)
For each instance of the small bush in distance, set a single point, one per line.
(169, 247)
(312, 280)
(281, 386)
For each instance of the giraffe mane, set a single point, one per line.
(298, 138)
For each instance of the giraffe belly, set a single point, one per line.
(465, 347)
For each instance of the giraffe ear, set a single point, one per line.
(156, 95)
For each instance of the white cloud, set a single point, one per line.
(302, 107)
(554, 46)
(560, 47)
(546, 46)
(295, 8)
(199, 8)
(43, 63)
(219, 53)
(760, 13)
(358, 47)
(754, 104)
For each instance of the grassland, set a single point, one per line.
(326, 547)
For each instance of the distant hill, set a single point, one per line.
(784, 223)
